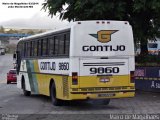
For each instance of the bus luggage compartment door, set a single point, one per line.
(104, 73)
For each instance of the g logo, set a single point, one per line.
(104, 36)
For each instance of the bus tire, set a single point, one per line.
(8, 82)
(54, 100)
(25, 92)
(106, 102)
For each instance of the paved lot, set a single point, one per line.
(6, 63)
(12, 101)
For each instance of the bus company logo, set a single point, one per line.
(104, 36)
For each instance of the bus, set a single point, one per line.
(86, 60)
(154, 47)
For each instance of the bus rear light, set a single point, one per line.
(132, 76)
(74, 78)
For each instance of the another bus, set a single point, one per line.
(154, 47)
(88, 60)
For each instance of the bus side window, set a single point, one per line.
(38, 44)
(24, 52)
(41, 47)
(67, 44)
(20, 47)
(51, 46)
(27, 49)
(44, 47)
(47, 47)
(31, 43)
(61, 45)
(33, 48)
(56, 44)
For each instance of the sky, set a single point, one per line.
(11, 16)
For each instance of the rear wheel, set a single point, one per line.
(8, 82)
(55, 101)
(106, 102)
(25, 92)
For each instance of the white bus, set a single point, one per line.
(88, 60)
(154, 47)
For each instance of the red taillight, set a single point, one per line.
(74, 78)
(132, 76)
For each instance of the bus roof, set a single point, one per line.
(45, 33)
(72, 24)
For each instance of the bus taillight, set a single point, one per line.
(132, 76)
(74, 78)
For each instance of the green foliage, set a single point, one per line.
(143, 15)
(11, 31)
(148, 60)
(31, 32)
(1, 29)
(87, 9)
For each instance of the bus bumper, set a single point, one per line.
(102, 95)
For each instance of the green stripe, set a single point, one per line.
(32, 77)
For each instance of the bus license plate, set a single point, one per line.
(106, 94)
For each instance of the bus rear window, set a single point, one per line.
(152, 45)
(12, 71)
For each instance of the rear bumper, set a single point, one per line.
(90, 87)
(12, 79)
(102, 95)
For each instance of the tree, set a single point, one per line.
(31, 32)
(143, 15)
(145, 20)
(11, 31)
(2, 29)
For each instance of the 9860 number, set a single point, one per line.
(63, 66)
(102, 70)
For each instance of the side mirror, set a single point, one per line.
(14, 56)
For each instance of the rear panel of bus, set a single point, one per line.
(101, 60)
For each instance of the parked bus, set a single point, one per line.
(88, 60)
(154, 47)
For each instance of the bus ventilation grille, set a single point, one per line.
(65, 87)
